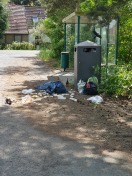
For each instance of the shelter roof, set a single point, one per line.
(72, 18)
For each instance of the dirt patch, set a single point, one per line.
(108, 124)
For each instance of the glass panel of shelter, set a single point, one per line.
(108, 39)
(108, 42)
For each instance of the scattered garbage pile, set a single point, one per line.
(58, 90)
(48, 89)
(90, 88)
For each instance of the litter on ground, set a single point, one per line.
(95, 99)
(80, 86)
(73, 99)
(52, 87)
(61, 97)
(27, 91)
(27, 99)
(58, 90)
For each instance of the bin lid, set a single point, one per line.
(87, 43)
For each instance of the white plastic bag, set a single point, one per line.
(95, 99)
(27, 91)
(80, 86)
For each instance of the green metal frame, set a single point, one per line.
(78, 29)
(107, 53)
(65, 37)
(117, 40)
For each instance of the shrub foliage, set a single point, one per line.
(19, 46)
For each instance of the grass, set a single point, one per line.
(45, 55)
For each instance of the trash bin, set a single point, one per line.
(87, 61)
(64, 60)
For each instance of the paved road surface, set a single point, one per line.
(27, 151)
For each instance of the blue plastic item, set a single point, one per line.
(52, 87)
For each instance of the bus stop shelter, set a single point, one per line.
(108, 35)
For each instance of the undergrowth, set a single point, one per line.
(117, 80)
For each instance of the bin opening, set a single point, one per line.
(75, 49)
(88, 50)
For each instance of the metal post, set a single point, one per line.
(117, 41)
(107, 54)
(65, 37)
(107, 49)
(78, 30)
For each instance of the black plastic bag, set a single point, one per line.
(90, 88)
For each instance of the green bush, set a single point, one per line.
(54, 31)
(8, 47)
(117, 80)
(20, 46)
(125, 34)
(45, 54)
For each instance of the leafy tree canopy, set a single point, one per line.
(106, 9)
(3, 19)
(125, 34)
(60, 8)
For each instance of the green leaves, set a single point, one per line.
(117, 81)
(111, 9)
(107, 9)
(125, 34)
(3, 19)
(20, 46)
(59, 8)
(54, 30)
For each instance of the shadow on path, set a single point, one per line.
(27, 151)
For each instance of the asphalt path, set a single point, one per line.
(28, 151)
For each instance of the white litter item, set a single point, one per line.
(80, 86)
(55, 95)
(95, 99)
(40, 94)
(72, 94)
(73, 99)
(27, 91)
(65, 94)
(61, 97)
(44, 93)
(71, 91)
(27, 99)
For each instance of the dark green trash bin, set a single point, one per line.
(64, 60)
